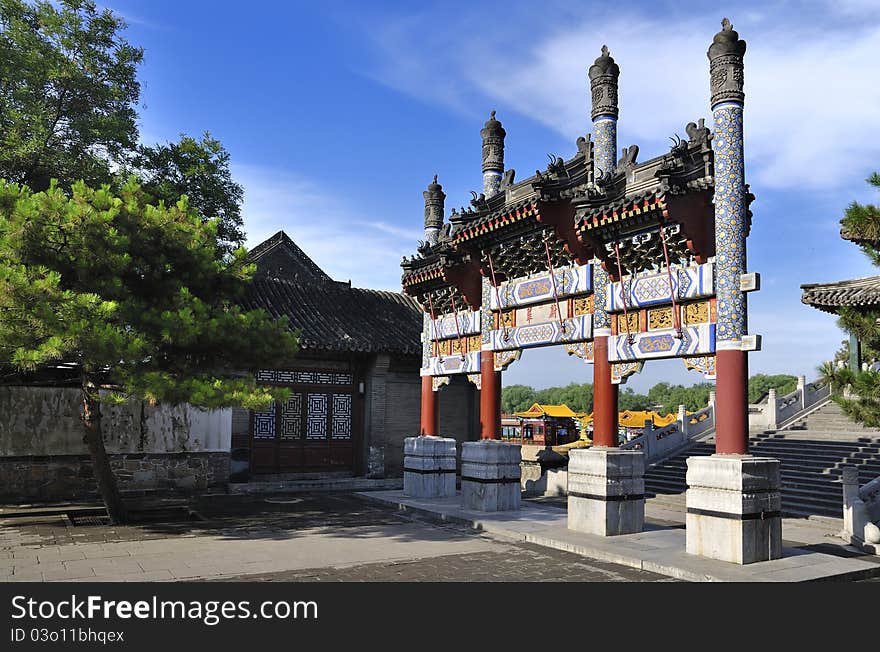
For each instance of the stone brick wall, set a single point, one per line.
(394, 413)
(65, 477)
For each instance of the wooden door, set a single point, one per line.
(316, 429)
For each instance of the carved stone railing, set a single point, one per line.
(861, 510)
(660, 443)
(776, 413)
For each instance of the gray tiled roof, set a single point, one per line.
(336, 317)
(858, 292)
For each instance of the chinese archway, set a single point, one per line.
(619, 261)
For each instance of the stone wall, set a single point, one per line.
(43, 455)
(394, 413)
(67, 477)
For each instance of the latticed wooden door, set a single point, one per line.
(315, 429)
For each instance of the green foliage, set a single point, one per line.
(862, 221)
(516, 398)
(578, 397)
(669, 397)
(864, 406)
(68, 98)
(68, 93)
(862, 224)
(629, 400)
(132, 291)
(198, 169)
(760, 384)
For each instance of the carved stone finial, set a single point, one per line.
(493, 145)
(603, 83)
(434, 198)
(726, 65)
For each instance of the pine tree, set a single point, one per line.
(138, 296)
(861, 225)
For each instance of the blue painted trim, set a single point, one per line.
(726, 104)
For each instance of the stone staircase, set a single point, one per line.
(811, 458)
(830, 419)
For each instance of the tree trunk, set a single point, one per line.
(94, 439)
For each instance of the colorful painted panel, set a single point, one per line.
(291, 417)
(453, 364)
(541, 313)
(651, 289)
(583, 350)
(504, 358)
(264, 423)
(574, 279)
(704, 364)
(542, 334)
(621, 371)
(444, 326)
(341, 420)
(696, 340)
(316, 419)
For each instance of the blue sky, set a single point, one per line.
(336, 118)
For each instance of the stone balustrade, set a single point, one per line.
(777, 412)
(861, 510)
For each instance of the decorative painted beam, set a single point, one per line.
(444, 327)
(696, 340)
(694, 282)
(571, 280)
(577, 329)
(448, 365)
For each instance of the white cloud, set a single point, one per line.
(342, 241)
(812, 101)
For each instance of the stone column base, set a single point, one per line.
(733, 508)
(606, 491)
(490, 475)
(428, 467)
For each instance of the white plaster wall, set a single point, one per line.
(46, 421)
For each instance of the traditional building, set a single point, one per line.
(548, 425)
(355, 390)
(857, 293)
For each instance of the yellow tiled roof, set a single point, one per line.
(538, 410)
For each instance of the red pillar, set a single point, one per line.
(731, 403)
(429, 407)
(605, 416)
(490, 397)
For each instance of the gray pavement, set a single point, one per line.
(809, 552)
(329, 537)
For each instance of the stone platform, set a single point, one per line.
(660, 548)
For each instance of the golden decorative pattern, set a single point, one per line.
(660, 318)
(633, 323)
(583, 305)
(696, 313)
(506, 320)
(455, 345)
(474, 343)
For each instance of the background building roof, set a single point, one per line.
(857, 292)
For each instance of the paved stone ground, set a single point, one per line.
(317, 537)
(519, 562)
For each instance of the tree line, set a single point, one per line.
(663, 397)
